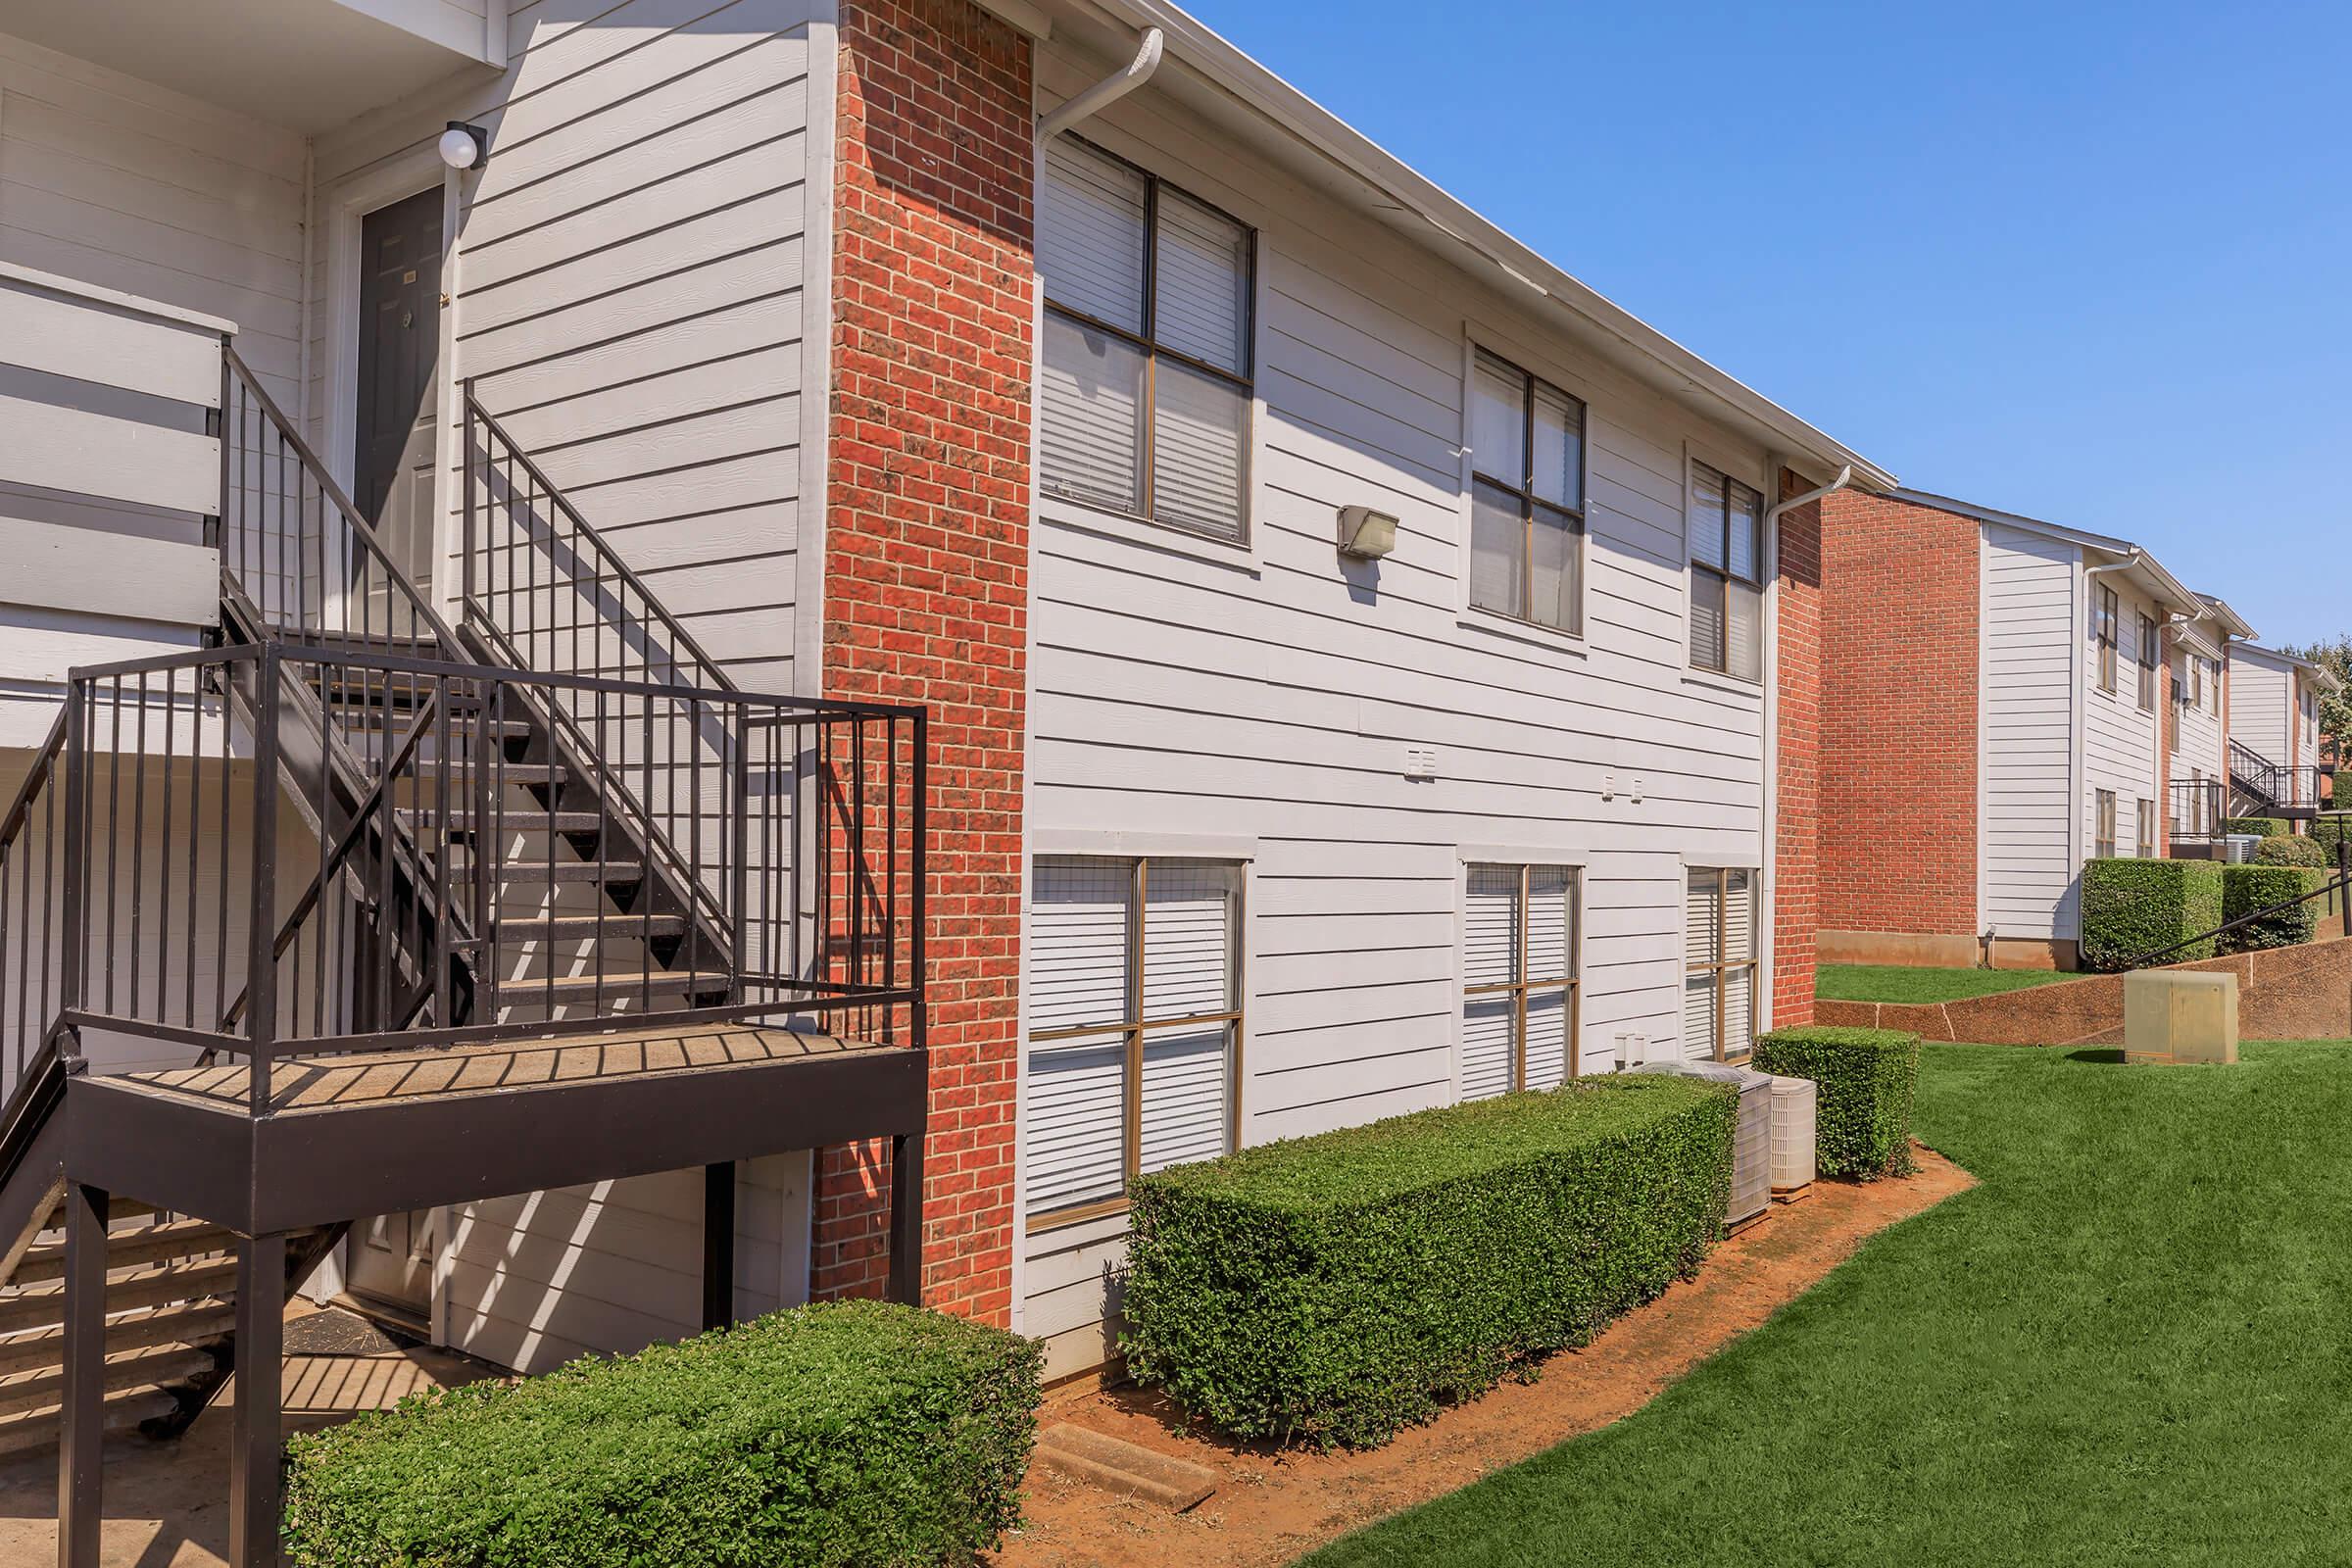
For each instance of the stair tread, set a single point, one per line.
(143, 1367)
(620, 982)
(589, 925)
(40, 1305)
(167, 1325)
(23, 1432)
(514, 820)
(128, 1249)
(573, 871)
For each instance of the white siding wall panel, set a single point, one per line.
(2261, 704)
(2119, 737)
(2027, 679)
(1179, 689)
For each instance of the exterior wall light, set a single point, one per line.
(1365, 534)
(464, 146)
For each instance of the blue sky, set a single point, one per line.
(2088, 262)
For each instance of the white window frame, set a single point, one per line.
(1241, 555)
(1759, 980)
(1239, 853)
(1523, 858)
(1516, 347)
(1766, 484)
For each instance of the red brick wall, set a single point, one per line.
(927, 576)
(1796, 857)
(1898, 730)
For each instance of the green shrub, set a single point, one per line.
(2248, 888)
(848, 1433)
(1862, 1107)
(2268, 827)
(2291, 849)
(2132, 908)
(1336, 1288)
(2325, 832)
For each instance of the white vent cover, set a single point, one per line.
(1793, 1105)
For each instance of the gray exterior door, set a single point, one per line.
(400, 339)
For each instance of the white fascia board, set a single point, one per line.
(1463, 232)
(2145, 569)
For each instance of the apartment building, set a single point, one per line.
(835, 630)
(2276, 763)
(2007, 698)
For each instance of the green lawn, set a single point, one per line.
(1902, 982)
(2131, 1344)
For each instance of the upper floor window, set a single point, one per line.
(1527, 497)
(1147, 334)
(1134, 1017)
(2196, 680)
(2107, 615)
(2148, 660)
(2213, 686)
(1727, 574)
(1518, 979)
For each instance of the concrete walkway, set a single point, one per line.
(166, 1504)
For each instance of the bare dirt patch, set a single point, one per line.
(1272, 1505)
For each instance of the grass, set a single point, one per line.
(1902, 982)
(2131, 1344)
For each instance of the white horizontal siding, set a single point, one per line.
(2261, 704)
(2119, 736)
(2027, 673)
(1272, 694)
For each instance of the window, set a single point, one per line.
(1145, 402)
(1719, 965)
(2213, 686)
(1135, 1022)
(2104, 845)
(1519, 1009)
(2148, 658)
(2146, 822)
(1527, 496)
(2107, 635)
(2180, 704)
(2196, 680)
(1727, 574)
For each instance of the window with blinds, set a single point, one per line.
(2146, 821)
(1519, 984)
(2148, 660)
(2103, 824)
(1135, 1022)
(1527, 496)
(1147, 354)
(1719, 965)
(1727, 574)
(2106, 617)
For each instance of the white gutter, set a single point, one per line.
(1846, 476)
(1396, 183)
(1110, 90)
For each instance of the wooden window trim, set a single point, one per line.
(2103, 824)
(2109, 613)
(1147, 344)
(1570, 984)
(1133, 1029)
(1724, 966)
(1723, 575)
(1522, 490)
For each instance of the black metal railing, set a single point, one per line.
(32, 891)
(2197, 810)
(2333, 886)
(468, 885)
(298, 560)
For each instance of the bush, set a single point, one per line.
(2132, 908)
(852, 1433)
(2292, 850)
(1862, 1109)
(2267, 827)
(2247, 887)
(1336, 1288)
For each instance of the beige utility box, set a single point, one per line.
(2180, 1015)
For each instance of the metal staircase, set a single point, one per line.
(354, 828)
(2260, 786)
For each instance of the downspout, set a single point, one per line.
(1110, 90)
(1846, 476)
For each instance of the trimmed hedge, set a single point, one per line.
(852, 1433)
(2134, 907)
(1336, 1288)
(2293, 849)
(2268, 827)
(2247, 887)
(1866, 1080)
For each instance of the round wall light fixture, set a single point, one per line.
(464, 146)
